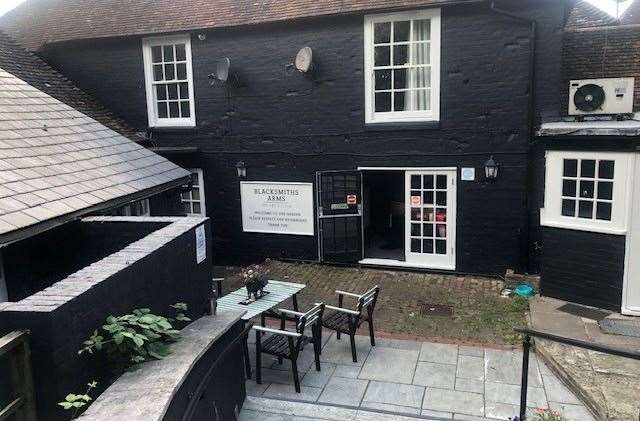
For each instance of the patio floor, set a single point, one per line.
(404, 380)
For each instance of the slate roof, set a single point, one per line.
(36, 22)
(30, 68)
(57, 164)
(586, 15)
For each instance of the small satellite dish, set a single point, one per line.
(304, 60)
(222, 69)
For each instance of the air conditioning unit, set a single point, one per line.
(613, 96)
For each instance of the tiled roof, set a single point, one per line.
(36, 22)
(28, 67)
(586, 15)
(57, 164)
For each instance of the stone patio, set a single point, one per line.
(405, 380)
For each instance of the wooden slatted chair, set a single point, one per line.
(347, 321)
(287, 345)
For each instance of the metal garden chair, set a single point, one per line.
(347, 321)
(287, 345)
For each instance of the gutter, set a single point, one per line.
(533, 28)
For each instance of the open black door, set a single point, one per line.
(339, 216)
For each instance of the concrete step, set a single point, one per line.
(617, 324)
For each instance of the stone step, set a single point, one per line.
(617, 324)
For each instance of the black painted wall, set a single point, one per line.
(286, 127)
(583, 267)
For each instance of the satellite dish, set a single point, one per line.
(589, 98)
(222, 69)
(304, 60)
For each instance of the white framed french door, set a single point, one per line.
(631, 288)
(430, 218)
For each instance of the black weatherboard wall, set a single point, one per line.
(286, 127)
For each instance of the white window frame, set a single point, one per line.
(201, 201)
(152, 108)
(551, 213)
(432, 115)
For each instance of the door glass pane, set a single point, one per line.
(415, 245)
(605, 170)
(605, 190)
(416, 214)
(441, 198)
(415, 230)
(570, 168)
(585, 209)
(588, 168)
(429, 215)
(441, 230)
(428, 181)
(603, 211)
(427, 198)
(568, 207)
(427, 230)
(586, 189)
(415, 181)
(441, 182)
(427, 246)
(441, 246)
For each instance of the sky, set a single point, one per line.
(607, 5)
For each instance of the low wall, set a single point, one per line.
(163, 390)
(155, 272)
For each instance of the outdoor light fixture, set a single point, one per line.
(242, 169)
(491, 169)
(304, 60)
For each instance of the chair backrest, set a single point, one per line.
(310, 317)
(368, 299)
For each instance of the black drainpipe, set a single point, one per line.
(531, 121)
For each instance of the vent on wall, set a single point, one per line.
(613, 96)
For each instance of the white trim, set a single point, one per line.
(152, 113)
(201, 200)
(407, 168)
(550, 214)
(371, 116)
(401, 263)
(632, 244)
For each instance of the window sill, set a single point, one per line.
(173, 128)
(583, 227)
(402, 125)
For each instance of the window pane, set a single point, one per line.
(421, 30)
(184, 90)
(568, 207)
(427, 246)
(382, 32)
(196, 208)
(415, 245)
(401, 31)
(415, 182)
(605, 190)
(570, 168)
(161, 92)
(605, 170)
(421, 77)
(383, 102)
(585, 209)
(195, 194)
(569, 188)
(415, 230)
(383, 79)
(441, 246)
(400, 55)
(195, 179)
(382, 56)
(416, 214)
(187, 207)
(421, 53)
(168, 53)
(427, 198)
(400, 79)
(427, 230)
(182, 71)
(441, 181)
(156, 54)
(588, 168)
(173, 110)
(441, 230)
(441, 198)
(428, 181)
(181, 52)
(162, 110)
(169, 72)
(603, 211)
(586, 188)
(185, 110)
(418, 100)
(400, 101)
(173, 91)
(157, 73)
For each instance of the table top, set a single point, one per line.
(279, 291)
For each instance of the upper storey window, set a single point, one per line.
(169, 81)
(402, 63)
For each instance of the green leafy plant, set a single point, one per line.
(136, 337)
(75, 403)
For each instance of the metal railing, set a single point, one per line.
(15, 347)
(526, 346)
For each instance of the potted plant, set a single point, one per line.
(255, 279)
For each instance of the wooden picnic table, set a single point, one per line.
(278, 292)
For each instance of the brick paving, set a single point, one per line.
(480, 315)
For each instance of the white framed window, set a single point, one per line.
(193, 200)
(169, 81)
(587, 191)
(402, 66)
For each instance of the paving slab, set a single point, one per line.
(440, 415)
(343, 391)
(438, 375)
(438, 353)
(394, 394)
(557, 392)
(288, 392)
(349, 371)
(469, 385)
(506, 367)
(453, 401)
(572, 412)
(298, 409)
(388, 364)
(470, 367)
(471, 351)
(504, 411)
(319, 378)
(339, 351)
(510, 394)
(397, 409)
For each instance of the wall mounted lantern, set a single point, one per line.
(242, 169)
(491, 169)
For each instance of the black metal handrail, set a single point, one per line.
(526, 346)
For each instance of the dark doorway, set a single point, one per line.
(384, 208)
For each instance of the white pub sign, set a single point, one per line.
(277, 208)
